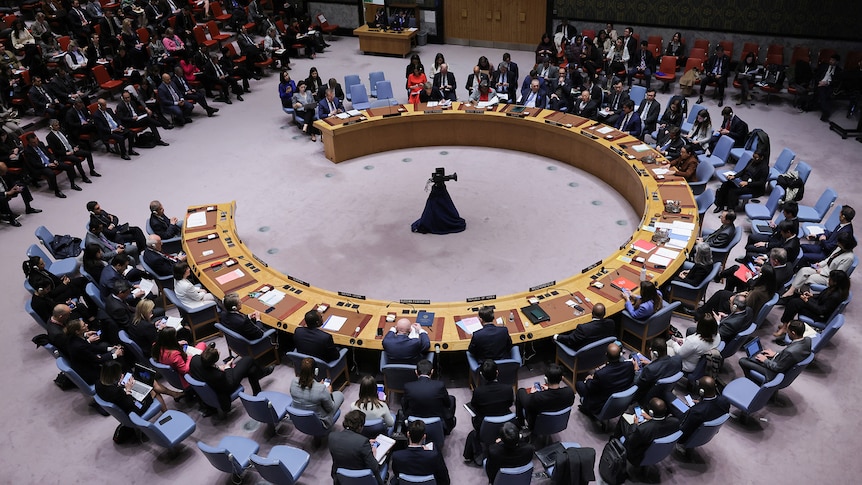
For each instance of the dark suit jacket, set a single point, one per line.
(615, 101)
(738, 131)
(791, 245)
(121, 313)
(426, 398)
(652, 115)
(711, 62)
(831, 241)
(589, 111)
(417, 461)
(87, 358)
(491, 399)
(126, 117)
(649, 59)
(734, 323)
(512, 89)
(634, 126)
(39, 101)
(703, 411)
(55, 144)
(241, 324)
(165, 98)
(323, 107)
(163, 228)
(470, 78)
(316, 342)
(501, 457)
(721, 237)
(102, 125)
(587, 333)
(643, 435)
(117, 395)
(652, 372)
(401, 349)
(491, 342)
(160, 265)
(613, 377)
(73, 121)
(215, 378)
(34, 161)
(450, 81)
(547, 400)
(352, 451)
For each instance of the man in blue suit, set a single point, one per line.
(416, 460)
(629, 121)
(403, 346)
(311, 340)
(828, 241)
(614, 376)
(329, 105)
(710, 406)
(428, 398)
(492, 341)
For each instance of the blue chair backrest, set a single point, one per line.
(284, 465)
(820, 341)
(765, 309)
(514, 476)
(722, 148)
(592, 355)
(133, 346)
(616, 404)
(168, 373)
(416, 480)
(95, 294)
(833, 219)
(734, 344)
(692, 115)
(374, 427)
(29, 309)
(204, 391)
(704, 172)
(825, 201)
(804, 171)
(350, 80)
(707, 197)
(115, 411)
(637, 94)
(794, 371)
(221, 458)
(384, 89)
(764, 393)
(785, 158)
(706, 431)
(380, 103)
(489, 431)
(550, 422)
(433, 430)
(259, 408)
(36, 250)
(773, 200)
(373, 78)
(355, 477)
(306, 421)
(659, 449)
(73, 376)
(358, 94)
(46, 237)
(743, 162)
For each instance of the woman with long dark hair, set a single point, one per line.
(645, 305)
(370, 404)
(690, 349)
(817, 307)
(170, 351)
(309, 394)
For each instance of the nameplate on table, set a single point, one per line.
(351, 295)
(260, 261)
(552, 122)
(414, 302)
(297, 280)
(475, 111)
(481, 298)
(390, 115)
(589, 135)
(352, 122)
(594, 265)
(543, 285)
(517, 115)
(432, 111)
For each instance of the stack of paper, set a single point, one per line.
(470, 324)
(175, 322)
(272, 297)
(196, 219)
(334, 323)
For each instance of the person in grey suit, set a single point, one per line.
(309, 394)
(771, 363)
(648, 372)
(739, 319)
(351, 450)
(721, 237)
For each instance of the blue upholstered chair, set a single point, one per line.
(268, 407)
(359, 97)
(691, 296)
(208, 395)
(817, 212)
(123, 417)
(703, 174)
(642, 331)
(551, 422)
(169, 429)
(350, 80)
(60, 267)
(257, 349)
(704, 433)
(306, 422)
(583, 360)
(168, 373)
(514, 476)
(331, 370)
(507, 368)
(782, 163)
(231, 455)
(719, 156)
(433, 430)
(133, 347)
(660, 449)
(615, 406)
(749, 396)
(820, 340)
(199, 319)
(283, 466)
(373, 79)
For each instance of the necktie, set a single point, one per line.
(625, 121)
(219, 72)
(173, 94)
(110, 120)
(81, 116)
(331, 107)
(45, 160)
(63, 139)
(645, 111)
(532, 99)
(717, 69)
(106, 241)
(131, 111)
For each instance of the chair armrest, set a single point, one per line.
(472, 362)
(341, 354)
(515, 354)
(266, 335)
(567, 350)
(757, 377)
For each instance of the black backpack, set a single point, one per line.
(614, 461)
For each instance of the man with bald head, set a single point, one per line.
(445, 82)
(56, 326)
(710, 406)
(586, 333)
(654, 422)
(614, 376)
(173, 102)
(160, 262)
(406, 343)
(109, 128)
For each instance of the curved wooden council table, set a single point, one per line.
(223, 264)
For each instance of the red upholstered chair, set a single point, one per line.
(776, 59)
(201, 37)
(727, 45)
(103, 79)
(667, 68)
(214, 32)
(750, 47)
(218, 14)
(144, 35)
(800, 53)
(325, 26)
(701, 44)
(234, 55)
(697, 52)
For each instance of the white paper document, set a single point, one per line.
(148, 286)
(175, 322)
(605, 130)
(342, 116)
(334, 323)
(196, 219)
(659, 260)
(641, 148)
(470, 324)
(667, 253)
(354, 112)
(272, 297)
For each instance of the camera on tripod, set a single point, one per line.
(439, 176)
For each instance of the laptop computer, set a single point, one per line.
(754, 347)
(548, 454)
(143, 381)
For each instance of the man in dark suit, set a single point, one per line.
(629, 121)
(614, 105)
(739, 318)
(671, 145)
(827, 76)
(642, 63)
(474, 79)
(165, 227)
(721, 237)
(116, 306)
(329, 105)
(215, 76)
(788, 239)
(88, 351)
(652, 424)
(552, 397)
(585, 106)
(109, 128)
(79, 21)
(161, 263)
(569, 31)
(775, 269)
(649, 111)
(505, 82)
(710, 406)
(66, 152)
(715, 70)
(596, 329)
(189, 93)
(9, 189)
(406, 343)
(534, 97)
(770, 363)
(249, 50)
(658, 366)
(225, 378)
(427, 398)
(614, 376)
(732, 126)
(156, 14)
(132, 114)
(416, 460)
(246, 325)
(351, 450)
(121, 233)
(630, 43)
(44, 102)
(445, 82)
(115, 272)
(511, 65)
(491, 341)
(828, 241)
(78, 121)
(173, 103)
(491, 398)
(110, 29)
(40, 163)
(311, 340)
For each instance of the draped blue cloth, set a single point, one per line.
(440, 215)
